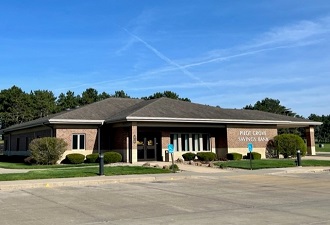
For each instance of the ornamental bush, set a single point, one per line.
(112, 157)
(75, 158)
(288, 144)
(234, 156)
(174, 167)
(47, 150)
(206, 156)
(189, 156)
(92, 158)
(255, 155)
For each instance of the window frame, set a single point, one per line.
(77, 146)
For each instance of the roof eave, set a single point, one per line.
(76, 121)
(225, 121)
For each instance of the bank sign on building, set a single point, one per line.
(142, 129)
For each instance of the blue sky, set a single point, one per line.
(225, 53)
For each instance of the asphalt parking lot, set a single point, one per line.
(236, 197)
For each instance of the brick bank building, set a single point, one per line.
(142, 129)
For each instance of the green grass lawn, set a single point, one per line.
(270, 163)
(325, 149)
(81, 172)
(10, 165)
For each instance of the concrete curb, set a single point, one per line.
(87, 181)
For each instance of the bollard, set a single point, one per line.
(298, 158)
(101, 164)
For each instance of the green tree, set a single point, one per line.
(43, 103)
(15, 107)
(89, 96)
(67, 101)
(103, 96)
(272, 106)
(322, 132)
(167, 94)
(120, 94)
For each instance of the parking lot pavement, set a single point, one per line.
(237, 197)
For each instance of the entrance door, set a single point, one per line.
(147, 149)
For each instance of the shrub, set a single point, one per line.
(188, 156)
(47, 150)
(112, 157)
(75, 158)
(175, 166)
(255, 155)
(206, 156)
(288, 144)
(92, 158)
(234, 156)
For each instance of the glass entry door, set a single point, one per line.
(147, 149)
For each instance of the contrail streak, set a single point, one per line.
(166, 59)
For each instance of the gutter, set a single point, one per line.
(231, 121)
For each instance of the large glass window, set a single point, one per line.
(78, 141)
(206, 142)
(174, 141)
(195, 143)
(190, 142)
(184, 142)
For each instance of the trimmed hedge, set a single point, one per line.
(206, 156)
(75, 158)
(189, 156)
(255, 155)
(92, 158)
(234, 156)
(112, 157)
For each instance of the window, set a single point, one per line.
(191, 142)
(206, 142)
(174, 141)
(27, 142)
(78, 141)
(17, 144)
(184, 142)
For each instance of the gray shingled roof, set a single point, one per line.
(169, 108)
(114, 110)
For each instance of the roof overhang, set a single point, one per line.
(278, 123)
(53, 121)
(75, 121)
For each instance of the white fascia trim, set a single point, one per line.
(232, 121)
(73, 121)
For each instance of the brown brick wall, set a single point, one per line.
(119, 138)
(90, 136)
(240, 137)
